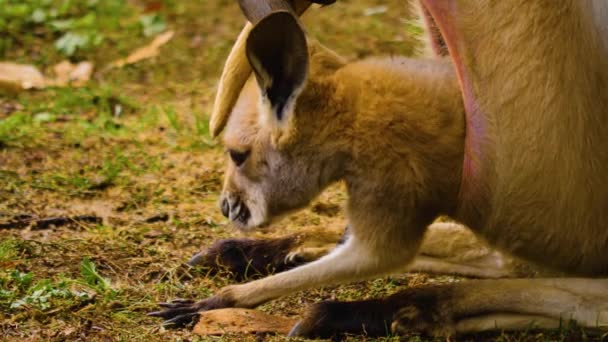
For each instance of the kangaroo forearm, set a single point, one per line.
(347, 263)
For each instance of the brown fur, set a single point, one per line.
(530, 127)
(415, 158)
(535, 85)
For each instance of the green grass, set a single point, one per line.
(24, 291)
(75, 27)
(8, 250)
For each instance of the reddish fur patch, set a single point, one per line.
(473, 193)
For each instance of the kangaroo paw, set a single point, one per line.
(182, 312)
(247, 258)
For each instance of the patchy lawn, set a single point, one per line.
(107, 189)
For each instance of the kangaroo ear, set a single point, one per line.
(278, 54)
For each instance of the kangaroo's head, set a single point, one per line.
(285, 137)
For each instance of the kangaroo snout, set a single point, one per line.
(235, 209)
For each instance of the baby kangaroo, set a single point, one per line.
(392, 130)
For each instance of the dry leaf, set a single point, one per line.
(15, 77)
(67, 73)
(148, 51)
(222, 321)
(375, 10)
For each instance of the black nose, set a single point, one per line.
(225, 206)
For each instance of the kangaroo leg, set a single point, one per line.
(352, 261)
(467, 307)
(447, 248)
(451, 248)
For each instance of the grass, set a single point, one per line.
(75, 27)
(131, 145)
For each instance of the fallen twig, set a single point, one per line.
(47, 222)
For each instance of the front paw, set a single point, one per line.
(246, 258)
(182, 312)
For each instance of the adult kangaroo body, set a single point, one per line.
(534, 82)
(534, 78)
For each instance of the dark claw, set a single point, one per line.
(175, 311)
(170, 313)
(181, 312)
(176, 303)
(324, 2)
(295, 331)
(182, 320)
(198, 259)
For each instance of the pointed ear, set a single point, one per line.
(278, 54)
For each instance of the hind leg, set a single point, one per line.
(451, 248)
(468, 307)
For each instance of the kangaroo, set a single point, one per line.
(396, 131)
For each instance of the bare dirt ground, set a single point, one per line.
(131, 152)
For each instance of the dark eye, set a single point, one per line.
(238, 157)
